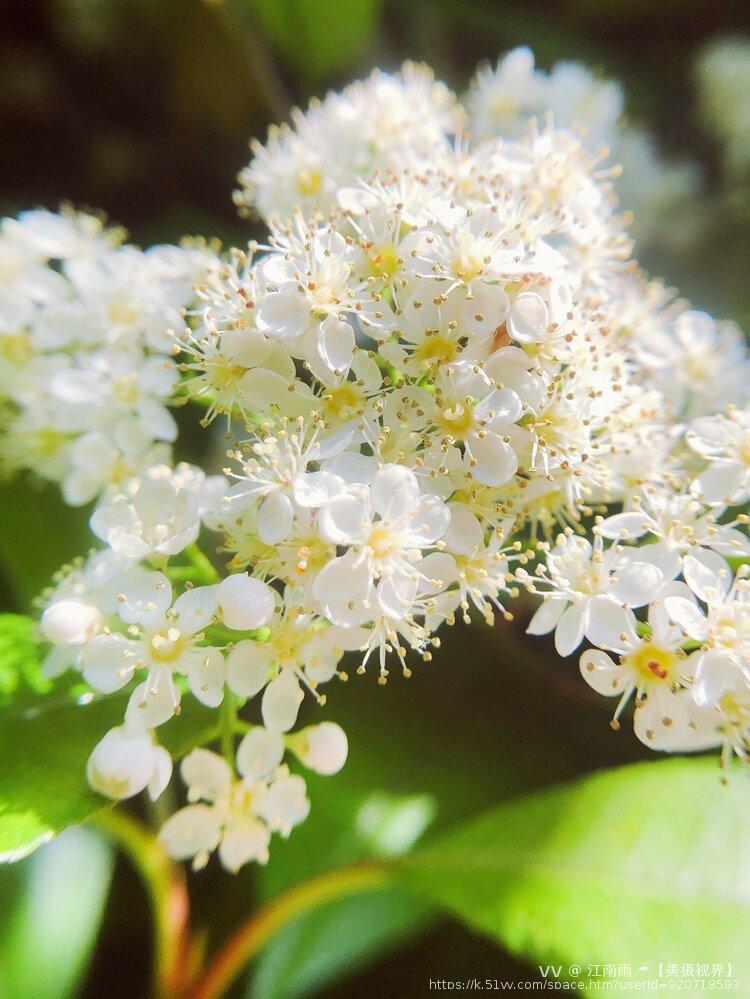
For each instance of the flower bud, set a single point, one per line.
(71, 622)
(322, 748)
(245, 603)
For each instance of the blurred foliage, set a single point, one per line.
(55, 900)
(143, 108)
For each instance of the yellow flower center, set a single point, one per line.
(225, 375)
(380, 542)
(653, 663)
(457, 418)
(122, 312)
(125, 389)
(167, 645)
(383, 261)
(16, 347)
(436, 350)
(343, 402)
(309, 182)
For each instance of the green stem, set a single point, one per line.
(202, 564)
(251, 935)
(228, 726)
(165, 884)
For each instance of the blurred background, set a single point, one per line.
(143, 109)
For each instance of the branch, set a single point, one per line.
(249, 937)
(165, 885)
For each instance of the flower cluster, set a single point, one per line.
(502, 99)
(442, 381)
(84, 341)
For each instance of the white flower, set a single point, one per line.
(99, 463)
(277, 478)
(653, 667)
(471, 409)
(384, 527)
(480, 569)
(578, 574)
(723, 441)
(237, 816)
(166, 640)
(722, 664)
(298, 650)
(127, 761)
(503, 99)
(159, 519)
(681, 526)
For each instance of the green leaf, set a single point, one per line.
(53, 917)
(20, 669)
(644, 864)
(40, 533)
(44, 750)
(335, 940)
(326, 37)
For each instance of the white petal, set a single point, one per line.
(152, 705)
(275, 517)
(528, 319)
(281, 701)
(496, 461)
(161, 774)
(715, 676)
(206, 774)
(624, 525)
(611, 626)
(196, 608)
(248, 666)
(285, 805)
(282, 314)
(345, 578)
(437, 571)
(570, 629)
(344, 520)
(246, 603)
(708, 575)
(191, 830)
(487, 309)
(244, 839)
(106, 662)
(336, 344)
(313, 489)
(429, 521)
(601, 672)
(546, 616)
(688, 617)
(637, 583)
(720, 482)
(121, 765)
(397, 592)
(148, 596)
(464, 534)
(206, 674)
(259, 753)
(394, 487)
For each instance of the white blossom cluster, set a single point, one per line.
(443, 381)
(86, 370)
(502, 99)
